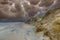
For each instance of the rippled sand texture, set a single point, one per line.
(18, 31)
